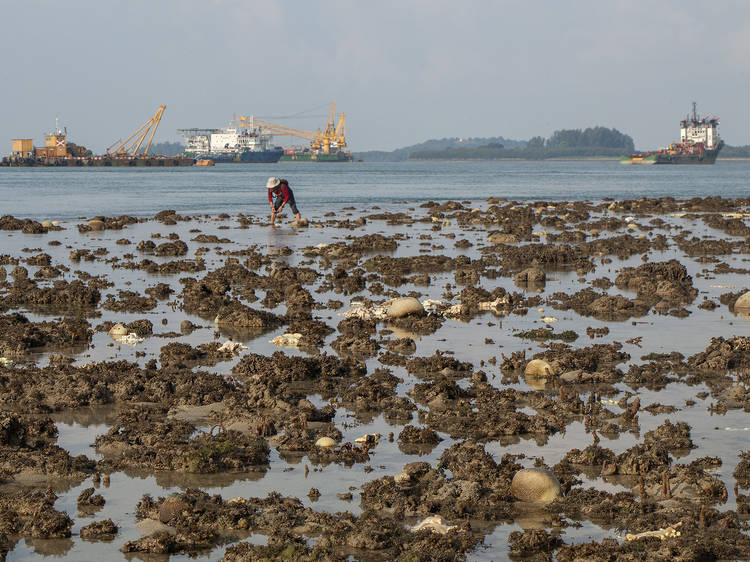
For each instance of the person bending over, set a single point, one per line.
(280, 195)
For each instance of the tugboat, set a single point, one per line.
(699, 144)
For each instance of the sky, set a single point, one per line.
(403, 71)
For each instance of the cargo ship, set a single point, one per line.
(699, 144)
(236, 143)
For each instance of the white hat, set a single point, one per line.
(272, 182)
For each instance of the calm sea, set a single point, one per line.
(64, 193)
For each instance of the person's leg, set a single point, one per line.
(295, 210)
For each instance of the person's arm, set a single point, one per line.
(270, 197)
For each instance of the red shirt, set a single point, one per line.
(284, 192)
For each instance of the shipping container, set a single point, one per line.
(23, 145)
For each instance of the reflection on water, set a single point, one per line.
(184, 480)
(48, 547)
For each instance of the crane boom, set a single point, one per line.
(332, 136)
(122, 148)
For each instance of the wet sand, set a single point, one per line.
(168, 382)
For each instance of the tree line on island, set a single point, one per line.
(566, 143)
(592, 142)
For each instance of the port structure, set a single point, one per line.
(332, 138)
(124, 150)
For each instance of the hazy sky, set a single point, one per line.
(403, 71)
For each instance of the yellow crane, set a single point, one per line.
(333, 135)
(123, 149)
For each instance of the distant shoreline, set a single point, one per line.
(571, 159)
(582, 158)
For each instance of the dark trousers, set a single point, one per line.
(280, 199)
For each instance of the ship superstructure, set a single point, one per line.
(700, 143)
(236, 143)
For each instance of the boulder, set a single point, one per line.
(171, 508)
(530, 275)
(325, 442)
(96, 224)
(538, 367)
(743, 303)
(535, 485)
(405, 306)
(118, 330)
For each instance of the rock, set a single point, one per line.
(535, 485)
(434, 523)
(417, 469)
(494, 305)
(287, 340)
(140, 328)
(99, 530)
(149, 527)
(186, 327)
(118, 330)
(237, 314)
(455, 310)
(96, 224)
(743, 303)
(47, 224)
(368, 438)
(530, 275)
(301, 223)
(131, 339)
(572, 376)
(405, 306)
(325, 442)
(170, 509)
(232, 347)
(402, 478)
(538, 367)
(502, 238)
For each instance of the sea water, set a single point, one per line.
(67, 193)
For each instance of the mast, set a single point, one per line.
(695, 115)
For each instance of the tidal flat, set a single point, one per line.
(367, 387)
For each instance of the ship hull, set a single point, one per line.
(319, 157)
(707, 157)
(98, 161)
(248, 157)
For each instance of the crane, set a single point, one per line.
(123, 149)
(333, 135)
